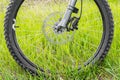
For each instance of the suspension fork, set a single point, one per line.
(68, 13)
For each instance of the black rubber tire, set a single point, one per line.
(32, 68)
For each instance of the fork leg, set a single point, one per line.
(67, 14)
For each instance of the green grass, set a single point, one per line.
(109, 69)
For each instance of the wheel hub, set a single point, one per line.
(54, 33)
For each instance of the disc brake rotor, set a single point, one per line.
(54, 37)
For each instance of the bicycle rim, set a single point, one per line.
(59, 53)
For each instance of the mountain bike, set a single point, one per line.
(58, 36)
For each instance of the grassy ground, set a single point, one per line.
(109, 69)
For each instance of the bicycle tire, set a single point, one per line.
(25, 63)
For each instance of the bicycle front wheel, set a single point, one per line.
(34, 44)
